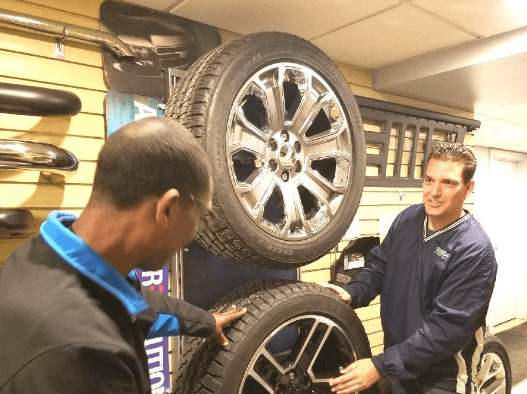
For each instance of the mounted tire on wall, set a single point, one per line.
(293, 338)
(284, 136)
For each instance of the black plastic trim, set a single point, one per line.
(471, 124)
(15, 221)
(36, 101)
(389, 115)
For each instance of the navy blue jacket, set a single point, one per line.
(435, 292)
(70, 323)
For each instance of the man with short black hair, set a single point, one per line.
(435, 272)
(72, 319)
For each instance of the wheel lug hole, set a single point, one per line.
(298, 146)
(273, 144)
(285, 176)
(298, 166)
(273, 165)
(285, 136)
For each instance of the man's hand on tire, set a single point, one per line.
(343, 294)
(222, 319)
(357, 376)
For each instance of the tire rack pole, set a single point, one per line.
(62, 31)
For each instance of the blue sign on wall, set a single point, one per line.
(122, 109)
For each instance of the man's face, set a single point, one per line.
(444, 191)
(184, 220)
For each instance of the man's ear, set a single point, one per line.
(165, 206)
(470, 188)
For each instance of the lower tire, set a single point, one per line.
(294, 337)
(494, 369)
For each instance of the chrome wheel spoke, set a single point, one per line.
(295, 218)
(244, 130)
(491, 377)
(307, 111)
(271, 84)
(323, 191)
(309, 346)
(261, 382)
(256, 195)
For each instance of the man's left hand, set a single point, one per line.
(357, 376)
(223, 319)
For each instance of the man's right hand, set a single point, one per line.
(224, 318)
(343, 294)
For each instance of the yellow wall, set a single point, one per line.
(27, 58)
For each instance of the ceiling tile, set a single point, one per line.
(506, 112)
(502, 134)
(485, 17)
(308, 19)
(518, 120)
(479, 88)
(390, 37)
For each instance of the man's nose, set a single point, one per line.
(436, 189)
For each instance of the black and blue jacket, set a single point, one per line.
(71, 323)
(435, 291)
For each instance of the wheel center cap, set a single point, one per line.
(286, 157)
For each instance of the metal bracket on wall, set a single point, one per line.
(53, 162)
(399, 139)
(61, 31)
(15, 222)
(60, 48)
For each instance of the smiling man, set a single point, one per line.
(72, 319)
(435, 272)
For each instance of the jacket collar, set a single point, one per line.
(56, 233)
(466, 216)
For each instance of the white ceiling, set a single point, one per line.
(465, 54)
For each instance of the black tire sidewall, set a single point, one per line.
(264, 50)
(317, 305)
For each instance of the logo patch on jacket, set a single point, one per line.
(442, 253)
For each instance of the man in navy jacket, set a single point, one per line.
(435, 272)
(72, 319)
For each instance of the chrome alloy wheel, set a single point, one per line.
(289, 150)
(491, 377)
(300, 356)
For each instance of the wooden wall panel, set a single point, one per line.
(83, 148)
(36, 44)
(45, 195)
(83, 176)
(27, 58)
(89, 8)
(59, 72)
(82, 125)
(76, 13)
